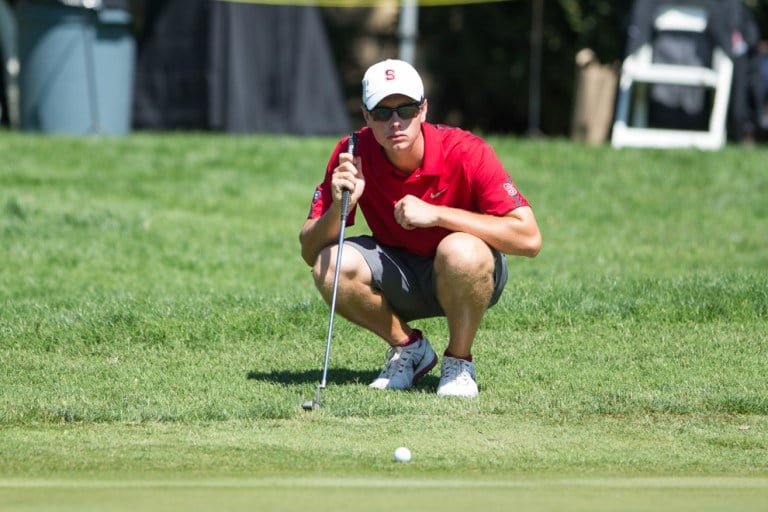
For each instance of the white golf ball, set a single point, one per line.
(402, 454)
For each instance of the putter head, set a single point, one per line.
(310, 405)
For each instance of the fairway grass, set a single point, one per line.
(159, 332)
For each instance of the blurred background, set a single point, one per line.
(534, 67)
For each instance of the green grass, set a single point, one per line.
(159, 331)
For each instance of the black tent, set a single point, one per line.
(235, 67)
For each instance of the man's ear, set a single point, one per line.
(424, 111)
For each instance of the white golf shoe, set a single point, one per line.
(405, 365)
(457, 378)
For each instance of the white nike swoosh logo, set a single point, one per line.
(438, 193)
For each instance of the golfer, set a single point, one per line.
(442, 212)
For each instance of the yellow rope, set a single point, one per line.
(357, 3)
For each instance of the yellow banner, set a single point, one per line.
(358, 3)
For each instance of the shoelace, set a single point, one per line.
(395, 361)
(457, 371)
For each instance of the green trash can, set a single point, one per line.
(76, 66)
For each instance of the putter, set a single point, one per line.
(314, 404)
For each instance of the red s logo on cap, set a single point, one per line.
(389, 74)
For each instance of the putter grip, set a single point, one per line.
(352, 146)
(344, 204)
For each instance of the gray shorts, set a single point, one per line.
(408, 281)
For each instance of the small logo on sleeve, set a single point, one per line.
(512, 191)
(510, 187)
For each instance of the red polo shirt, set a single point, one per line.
(459, 170)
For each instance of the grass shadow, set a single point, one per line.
(335, 375)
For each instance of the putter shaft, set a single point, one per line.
(344, 212)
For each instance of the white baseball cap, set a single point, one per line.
(390, 77)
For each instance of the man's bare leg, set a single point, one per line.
(464, 265)
(356, 299)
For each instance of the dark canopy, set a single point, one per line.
(233, 67)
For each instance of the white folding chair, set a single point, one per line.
(638, 71)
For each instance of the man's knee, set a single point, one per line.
(465, 254)
(324, 270)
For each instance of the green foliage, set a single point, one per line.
(476, 58)
(485, 82)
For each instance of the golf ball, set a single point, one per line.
(402, 454)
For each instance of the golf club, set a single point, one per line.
(314, 404)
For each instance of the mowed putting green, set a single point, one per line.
(673, 494)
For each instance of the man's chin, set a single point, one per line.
(398, 144)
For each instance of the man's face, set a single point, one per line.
(397, 132)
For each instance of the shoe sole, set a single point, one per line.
(459, 395)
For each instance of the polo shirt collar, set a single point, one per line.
(433, 150)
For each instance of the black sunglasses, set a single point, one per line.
(407, 111)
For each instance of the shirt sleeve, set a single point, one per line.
(496, 193)
(322, 199)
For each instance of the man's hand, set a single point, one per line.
(348, 175)
(411, 212)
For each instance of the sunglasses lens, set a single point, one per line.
(404, 111)
(382, 113)
(408, 111)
